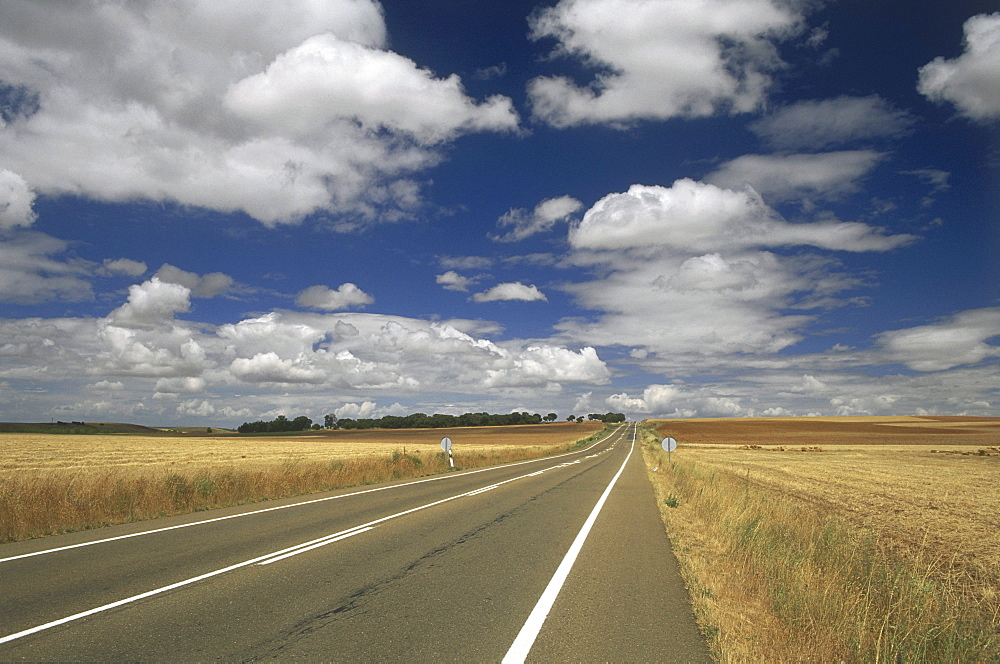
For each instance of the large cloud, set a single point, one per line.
(971, 81)
(684, 272)
(326, 79)
(701, 217)
(224, 105)
(657, 60)
(282, 360)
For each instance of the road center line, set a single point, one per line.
(532, 626)
(274, 556)
(315, 544)
(285, 507)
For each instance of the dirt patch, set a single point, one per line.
(906, 430)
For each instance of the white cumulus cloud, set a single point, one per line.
(657, 60)
(684, 273)
(452, 280)
(270, 368)
(248, 106)
(697, 216)
(16, 201)
(971, 81)
(346, 296)
(543, 218)
(326, 79)
(511, 291)
(151, 303)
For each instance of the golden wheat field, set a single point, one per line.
(927, 484)
(915, 498)
(52, 483)
(23, 452)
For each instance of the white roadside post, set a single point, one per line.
(446, 446)
(669, 444)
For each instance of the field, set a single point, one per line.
(38, 452)
(51, 483)
(895, 520)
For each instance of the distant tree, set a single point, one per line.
(551, 417)
(329, 421)
(571, 418)
(279, 424)
(579, 418)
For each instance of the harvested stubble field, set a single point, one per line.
(894, 520)
(52, 483)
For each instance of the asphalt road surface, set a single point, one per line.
(558, 559)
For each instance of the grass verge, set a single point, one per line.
(777, 577)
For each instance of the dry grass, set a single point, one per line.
(868, 551)
(57, 483)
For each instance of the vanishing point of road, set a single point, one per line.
(556, 559)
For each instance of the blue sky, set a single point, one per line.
(214, 212)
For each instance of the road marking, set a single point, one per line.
(532, 626)
(285, 507)
(136, 598)
(315, 544)
(491, 487)
(274, 556)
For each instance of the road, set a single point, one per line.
(556, 559)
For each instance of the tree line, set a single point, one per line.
(414, 421)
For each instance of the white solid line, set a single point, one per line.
(285, 507)
(532, 626)
(259, 559)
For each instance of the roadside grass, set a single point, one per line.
(37, 502)
(780, 577)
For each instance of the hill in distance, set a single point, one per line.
(106, 428)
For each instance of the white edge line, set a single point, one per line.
(284, 507)
(519, 649)
(292, 550)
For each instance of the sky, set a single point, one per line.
(219, 211)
